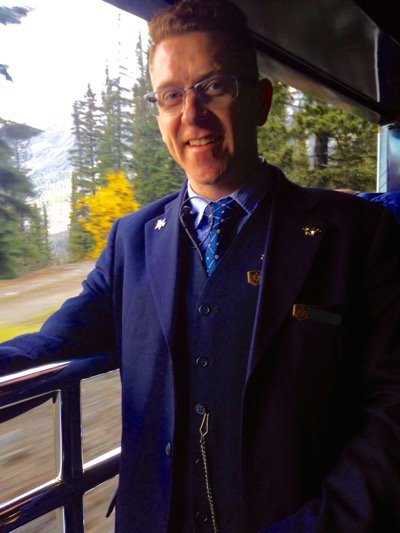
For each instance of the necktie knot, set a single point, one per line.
(222, 217)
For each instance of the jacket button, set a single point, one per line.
(202, 362)
(201, 516)
(168, 449)
(200, 409)
(204, 309)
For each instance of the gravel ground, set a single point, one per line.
(26, 297)
(27, 457)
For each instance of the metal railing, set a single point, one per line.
(59, 381)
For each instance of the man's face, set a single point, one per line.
(217, 148)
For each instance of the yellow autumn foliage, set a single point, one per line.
(101, 209)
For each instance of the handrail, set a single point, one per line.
(24, 390)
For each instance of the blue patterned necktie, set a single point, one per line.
(222, 219)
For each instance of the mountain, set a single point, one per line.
(50, 172)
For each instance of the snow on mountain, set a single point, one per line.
(50, 172)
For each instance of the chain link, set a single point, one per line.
(210, 497)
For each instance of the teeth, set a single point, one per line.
(203, 141)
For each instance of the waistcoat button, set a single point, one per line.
(201, 516)
(202, 362)
(200, 409)
(168, 449)
(204, 309)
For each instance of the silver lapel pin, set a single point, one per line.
(161, 223)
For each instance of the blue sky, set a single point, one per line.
(56, 50)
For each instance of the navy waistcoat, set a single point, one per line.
(210, 369)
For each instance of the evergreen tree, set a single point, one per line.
(15, 190)
(84, 154)
(155, 172)
(80, 241)
(18, 138)
(342, 146)
(35, 236)
(316, 144)
(115, 128)
(44, 237)
(19, 244)
(84, 160)
(275, 139)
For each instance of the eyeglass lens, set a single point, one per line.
(217, 91)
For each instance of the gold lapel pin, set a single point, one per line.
(300, 311)
(254, 277)
(311, 231)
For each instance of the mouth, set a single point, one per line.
(204, 140)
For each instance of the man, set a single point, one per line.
(260, 389)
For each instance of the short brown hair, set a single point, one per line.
(222, 16)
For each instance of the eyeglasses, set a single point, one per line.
(217, 91)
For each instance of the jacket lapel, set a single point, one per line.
(163, 239)
(295, 234)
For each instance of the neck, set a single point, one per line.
(225, 187)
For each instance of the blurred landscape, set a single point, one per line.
(27, 301)
(27, 457)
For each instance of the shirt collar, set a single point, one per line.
(249, 196)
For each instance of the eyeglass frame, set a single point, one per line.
(155, 109)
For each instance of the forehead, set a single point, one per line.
(185, 59)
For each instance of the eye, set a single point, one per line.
(170, 97)
(214, 87)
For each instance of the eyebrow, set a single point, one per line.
(210, 74)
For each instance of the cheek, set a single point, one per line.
(237, 134)
(171, 143)
(246, 128)
(161, 128)
(169, 133)
(237, 121)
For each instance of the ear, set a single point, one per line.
(265, 91)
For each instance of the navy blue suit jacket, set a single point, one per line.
(321, 406)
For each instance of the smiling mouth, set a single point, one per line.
(204, 141)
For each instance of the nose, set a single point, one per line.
(193, 108)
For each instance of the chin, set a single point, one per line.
(210, 176)
(210, 181)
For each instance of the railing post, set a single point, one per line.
(72, 461)
(73, 516)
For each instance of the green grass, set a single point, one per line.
(28, 326)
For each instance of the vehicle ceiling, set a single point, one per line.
(346, 52)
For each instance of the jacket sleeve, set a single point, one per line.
(83, 325)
